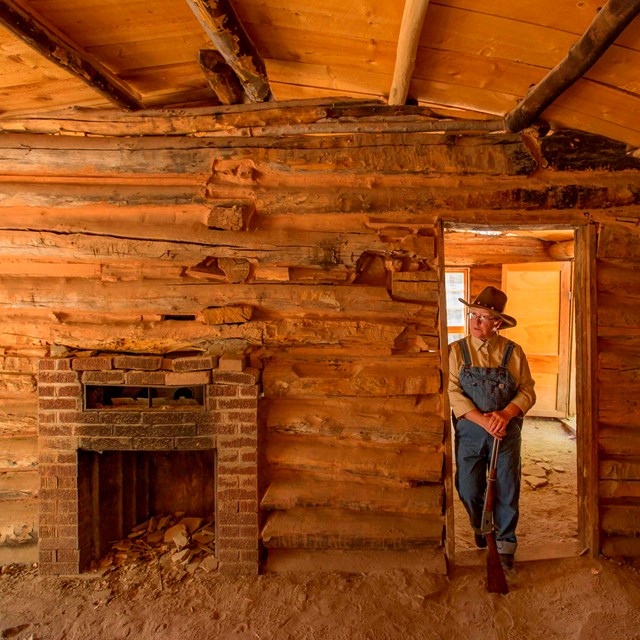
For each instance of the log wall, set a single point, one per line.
(317, 257)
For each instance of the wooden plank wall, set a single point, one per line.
(618, 293)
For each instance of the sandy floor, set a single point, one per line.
(569, 598)
(561, 599)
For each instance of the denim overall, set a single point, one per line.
(490, 389)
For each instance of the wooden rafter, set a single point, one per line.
(607, 25)
(225, 30)
(52, 44)
(410, 30)
(220, 76)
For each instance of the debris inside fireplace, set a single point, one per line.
(179, 544)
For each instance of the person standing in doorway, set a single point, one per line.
(490, 391)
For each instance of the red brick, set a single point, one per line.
(249, 376)
(50, 404)
(46, 364)
(46, 391)
(227, 534)
(58, 442)
(169, 417)
(237, 442)
(241, 543)
(48, 482)
(68, 555)
(249, 531)
(232, 362)
(246, 429)
(236, 494)
(68, 530)
(90, 417)
(45, 556)
(46, 418)
(250, 456)
(224, 390)
(228, 456)
(194, 363)
(228, 482)
(93, 363)
(140, 363)
(63, 364)
(103, 377)
(187, 378)
(61, 377)
(106, 444)
(248, 506)
(93, 430)
(144, 377)
(59, 470)
(238, 403)
(69, 391)
(225, 555)
(67, 482)
(153, 444)
(250, 555)
(53, 430)
(113, 416)
(241, 518)
(248, 391)
(195, 443)
(239, 469)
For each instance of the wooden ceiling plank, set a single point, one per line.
(221, 24)
(410, 30)
(220, 76)
(45, 39)
(608, 23)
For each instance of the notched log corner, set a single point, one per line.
(231, 215)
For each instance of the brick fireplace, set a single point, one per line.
(121, 436)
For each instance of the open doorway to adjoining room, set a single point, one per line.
(535, 268)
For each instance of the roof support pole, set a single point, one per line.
(410, 30)
(607, 25)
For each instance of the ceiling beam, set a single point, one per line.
(606, 26)
(220, 76)
(408, 41)
(219, 21)
(53, 45)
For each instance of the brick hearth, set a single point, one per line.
(225, 423)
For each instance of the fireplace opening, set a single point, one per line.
(120, 490)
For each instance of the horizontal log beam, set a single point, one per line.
(288, 490)
(401, 463)
(342, 529)
(189, 296)
(54, 46)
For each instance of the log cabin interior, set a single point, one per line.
(225, 228)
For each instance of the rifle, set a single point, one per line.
(496, 580)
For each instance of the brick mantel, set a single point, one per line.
(226, 424)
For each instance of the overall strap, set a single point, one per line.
(507, 354)
(466, 356)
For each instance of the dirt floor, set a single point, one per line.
(550, 597)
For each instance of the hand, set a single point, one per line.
(496, 423)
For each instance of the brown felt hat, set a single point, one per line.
(495, 301)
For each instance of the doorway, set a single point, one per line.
(539, 284)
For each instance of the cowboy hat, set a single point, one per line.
(495, 301)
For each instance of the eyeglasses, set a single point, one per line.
(481, 318)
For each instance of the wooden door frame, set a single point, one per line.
(585, 306)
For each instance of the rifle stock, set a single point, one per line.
(496, 580)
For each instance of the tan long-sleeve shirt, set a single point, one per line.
(489, 354)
